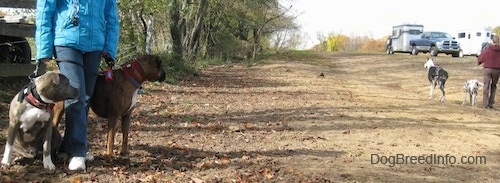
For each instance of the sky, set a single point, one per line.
(376, 18)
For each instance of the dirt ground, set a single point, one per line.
(282, 122)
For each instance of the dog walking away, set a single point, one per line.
(116, 99)
(437, 76)
(30, 129)
(471, 87)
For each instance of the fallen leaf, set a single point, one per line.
(76, 180)
(197, 180)
(266, 173)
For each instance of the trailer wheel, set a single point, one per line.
(414, 50)
(14, 50)
(389, 50)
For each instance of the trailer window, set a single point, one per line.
(414, 32)
(487, 34)
(478, 34)
(461, 35)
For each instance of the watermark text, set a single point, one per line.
(435, 159)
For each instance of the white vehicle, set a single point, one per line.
(401, 36)
(472, 41)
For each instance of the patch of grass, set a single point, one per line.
(188, 119)
(164, 112)
(176, 70)
(208, 62)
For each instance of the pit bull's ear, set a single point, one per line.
(56, 79)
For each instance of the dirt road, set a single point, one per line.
(368, 119)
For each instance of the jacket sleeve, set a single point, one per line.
(44, 34)
(483, 56)
(112, 28)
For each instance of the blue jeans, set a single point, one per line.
(82, 69)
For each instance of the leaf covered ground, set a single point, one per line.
(281, 121)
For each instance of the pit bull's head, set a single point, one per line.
(54, 87)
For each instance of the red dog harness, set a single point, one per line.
(134, 73)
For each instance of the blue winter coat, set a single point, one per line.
(97, 29)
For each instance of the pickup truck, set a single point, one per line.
(435, 43)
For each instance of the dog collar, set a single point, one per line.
(38, 103)
(134, 73)
(30, 94)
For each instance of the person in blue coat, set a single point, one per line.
(77, 33)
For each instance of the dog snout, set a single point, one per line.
(73, 92)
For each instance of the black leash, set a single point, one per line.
(29, 87)
(33, 75)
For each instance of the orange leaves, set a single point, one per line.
(373, 45)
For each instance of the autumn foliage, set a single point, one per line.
(336, 42)
(373, 45)
(341, 42)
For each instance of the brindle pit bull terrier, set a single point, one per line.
(29, 114)
(116, 99)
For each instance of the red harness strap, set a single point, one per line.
(134, 73)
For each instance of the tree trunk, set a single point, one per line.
(175, 32)
(194, 37)
(149, 33)
(256, 42)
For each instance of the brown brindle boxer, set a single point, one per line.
(116, 99)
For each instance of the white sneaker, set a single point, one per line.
(77, 163)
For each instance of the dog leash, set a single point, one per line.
(33, 75)
(27, 88)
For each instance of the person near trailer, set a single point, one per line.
(490, 59)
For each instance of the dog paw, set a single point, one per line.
(47, 164)
(5, 162)
(5, 165)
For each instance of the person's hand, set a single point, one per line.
(104, 55)
(110, 61)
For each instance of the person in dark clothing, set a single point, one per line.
(490, 58)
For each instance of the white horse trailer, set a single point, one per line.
(472, 41)
(401, 36)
